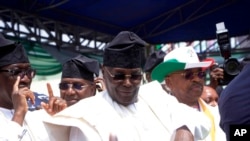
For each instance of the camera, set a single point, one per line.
(231, 66)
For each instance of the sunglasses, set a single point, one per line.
(121, 77)
(18, 72)
(76, 86)
(189, 75)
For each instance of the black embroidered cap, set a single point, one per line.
(126, 50)
(80, 67)
(11, 52)
(153, 60)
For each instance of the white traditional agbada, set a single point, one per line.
(155, 116)
(32, 129)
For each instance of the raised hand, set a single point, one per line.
(55, 104)
(19, 100)
(217, 73)
(100, 85)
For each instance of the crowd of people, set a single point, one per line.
(174, 103)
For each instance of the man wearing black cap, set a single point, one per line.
(152, 61)
(121, 113)
(77, 82)
(15, 78)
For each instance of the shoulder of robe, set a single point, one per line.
(90, 110)
(153, 92)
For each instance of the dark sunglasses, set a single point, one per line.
(189, 75)
(121, 77)
(18, 72)
(76, 86)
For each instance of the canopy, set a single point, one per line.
(156, 21)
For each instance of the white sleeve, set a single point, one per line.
(70, 129)
(197, 122)
(174, 114)
(76, 134)
(86, 133)
(10, 130)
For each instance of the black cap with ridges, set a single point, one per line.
(81, 67)
(153, 60)
(126, 50)
(11, 52)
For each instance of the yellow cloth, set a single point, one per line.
(210, 116)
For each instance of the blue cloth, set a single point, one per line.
(38, 99)
(234, 101)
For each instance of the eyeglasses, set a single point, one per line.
(18, 72)
(76, 86)
(189, 75)
(121, 77)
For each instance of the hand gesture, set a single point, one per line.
(100, 85)
(19, 99)
(55, 104)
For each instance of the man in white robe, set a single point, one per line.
(184, 75)
(125, 111)
(16, 122)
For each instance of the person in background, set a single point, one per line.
(122, 110)
(234, 101)
(78, 81)
(244, 62)
(16, 74)
(210, 96)
(153, 60)
(215, 75)
(100, 85)
(184, 74)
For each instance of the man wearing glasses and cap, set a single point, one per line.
(78, 81)
(121, 113)
(16, 74)
(184, 75)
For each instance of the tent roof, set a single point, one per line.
(156, 21)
